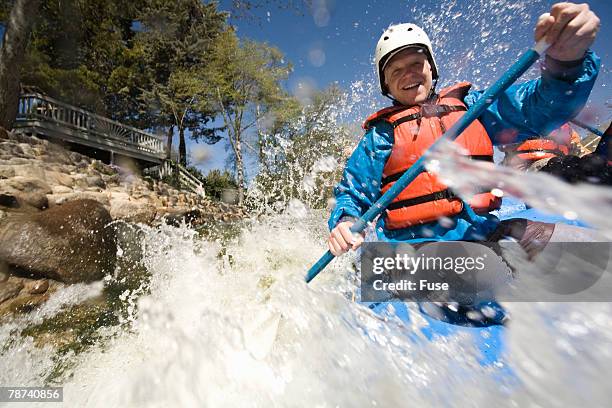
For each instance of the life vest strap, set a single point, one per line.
(438, 195)
(428, 111)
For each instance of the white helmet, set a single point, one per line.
(396, 38)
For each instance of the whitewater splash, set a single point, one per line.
(180, 336)
(183, 343)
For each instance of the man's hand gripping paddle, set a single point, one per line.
(487, 98)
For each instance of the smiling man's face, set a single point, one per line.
(408, 76)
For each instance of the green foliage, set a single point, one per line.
(75, 46)
(245, 86)
(216, 180)
(302, 156)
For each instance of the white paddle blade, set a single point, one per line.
(259, 331)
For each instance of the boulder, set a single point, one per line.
(61, 198)
(31, 171)
(36, 200)
(95, 181)
(36, 287)
(72, 243)
(132, 211)
(58, 178)
(24, 185)
(19, 160)
(32, 294)
(9, 200)
(9, 290)
(6, 172)
(24, 200)
(60, 189)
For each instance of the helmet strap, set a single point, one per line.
(432, 91)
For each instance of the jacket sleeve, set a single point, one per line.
(539, 106)
(360, 184)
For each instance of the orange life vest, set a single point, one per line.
(557, 144)
(416, 128)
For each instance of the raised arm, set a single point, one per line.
(569, 71)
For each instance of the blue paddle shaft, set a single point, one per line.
(487, 98)
(587, 127)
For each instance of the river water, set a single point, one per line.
(180, 329)
(184, 341)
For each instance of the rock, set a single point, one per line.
(19, 200)
(39, 152)
(76, 157)
(58, 178)
(61, 198)
(95, 181)
(9, 201)
(193, 216)
(3, 271)
(9, 290)
(132, 211)
(6, 172)
(80, 180)
(100, 167)
(111, 179)
(19, 161)
(60, 189)
(72, 243)
(36, 200)
(4, 135)
(24, 184)
(82, 165)
(119, 195)
(16, 150)
(27, 150)
(26, 302)
(36, 287)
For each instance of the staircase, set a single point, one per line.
(186, 180)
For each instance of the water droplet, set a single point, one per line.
(497, 192)
(446, 222)
(570, 215)
(427, 232)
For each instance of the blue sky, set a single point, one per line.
(473, 40)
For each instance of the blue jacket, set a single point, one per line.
(532, 108)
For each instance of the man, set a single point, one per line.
(533, 154)
(396, 136)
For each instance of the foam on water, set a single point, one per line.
(181, 340)
(184, 345)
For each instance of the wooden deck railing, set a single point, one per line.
(84, 124)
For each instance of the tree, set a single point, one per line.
(76, 46)
(184, 97)
(175, 39)
(216, 180)
(301, 156)
(245, 84)
(16, 35)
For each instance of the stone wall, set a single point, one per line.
(55, 208)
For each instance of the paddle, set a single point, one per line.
(587, 127)
(487, 98)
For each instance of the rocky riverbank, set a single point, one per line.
(57, 209)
